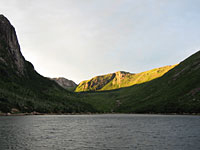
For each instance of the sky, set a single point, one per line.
(80, 39)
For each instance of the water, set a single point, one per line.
(100, 132)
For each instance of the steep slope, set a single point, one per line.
(22, 89)
(65, 83)
(10, 55)
(96, 83)
(177, 91)
(121, 79)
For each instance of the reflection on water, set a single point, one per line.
(98, 132)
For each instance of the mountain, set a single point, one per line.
(22, 89)
(177, 91)
(120, 79)
(65, 83)
(10, 55)
(170, 89)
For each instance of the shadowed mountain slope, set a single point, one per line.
(22, 89)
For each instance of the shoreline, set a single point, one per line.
(37, 113)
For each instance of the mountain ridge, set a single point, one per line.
(177, 91)
(65, 83)
(121, 79)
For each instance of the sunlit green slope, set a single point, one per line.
(177, 91)
(121, 79)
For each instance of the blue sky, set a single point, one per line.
(79, 39)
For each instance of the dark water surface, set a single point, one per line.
(100, 132)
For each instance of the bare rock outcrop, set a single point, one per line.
(10, 54)
(65, 83)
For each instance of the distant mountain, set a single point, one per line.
(22, 89)
(177, 91)
(120, 79)
(65, 83)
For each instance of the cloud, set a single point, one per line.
(80, 39)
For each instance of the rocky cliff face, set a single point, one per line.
(65, 83)
(95, 83)
(10, 50)
(119, 77)
(22, 89)
(100, 82)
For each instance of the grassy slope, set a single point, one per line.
(95, 83)
(121, 79)
(33, 92)
(133, 79)
(22, 89)
(178, 91)
(36, 93)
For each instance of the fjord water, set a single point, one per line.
(100, 132)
